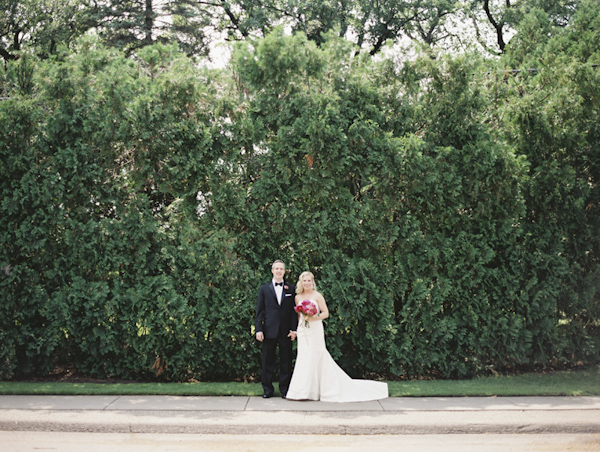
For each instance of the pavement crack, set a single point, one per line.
(112, 402)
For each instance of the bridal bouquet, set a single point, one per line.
(308, 309)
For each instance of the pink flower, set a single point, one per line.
(286, 287)
(307, 308)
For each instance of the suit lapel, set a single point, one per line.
(272, 289)
(283, 292)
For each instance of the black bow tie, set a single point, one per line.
(278, 284)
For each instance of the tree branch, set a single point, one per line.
(496, 25)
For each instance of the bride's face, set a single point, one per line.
(307, 282)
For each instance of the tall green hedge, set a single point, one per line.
(448, 208)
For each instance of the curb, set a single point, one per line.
(302, 430)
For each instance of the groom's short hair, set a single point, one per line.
(278, 261)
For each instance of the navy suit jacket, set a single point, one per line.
(271, 318)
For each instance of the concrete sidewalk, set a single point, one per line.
(254, 415)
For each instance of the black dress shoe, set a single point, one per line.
(267, 396)
(284, 396)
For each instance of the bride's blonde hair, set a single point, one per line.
(300, 287)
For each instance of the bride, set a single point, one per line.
(316, 375)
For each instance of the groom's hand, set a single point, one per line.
(292, 334)
(260, 336)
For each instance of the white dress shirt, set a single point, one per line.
(278, 292)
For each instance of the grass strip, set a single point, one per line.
(565, 383)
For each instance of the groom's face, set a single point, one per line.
(278, 271)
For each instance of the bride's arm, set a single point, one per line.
(297, 302)
(323, 308)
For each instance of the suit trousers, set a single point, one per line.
(269, 359)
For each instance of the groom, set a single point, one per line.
(276, 323)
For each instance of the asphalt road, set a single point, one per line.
(149, 442)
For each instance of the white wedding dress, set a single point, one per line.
(317, 376)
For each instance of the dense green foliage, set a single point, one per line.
(448, 207)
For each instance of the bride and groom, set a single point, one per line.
(316, 376)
